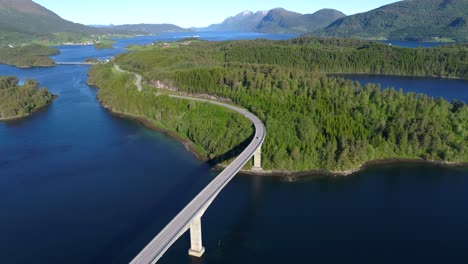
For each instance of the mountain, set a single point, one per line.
(24, 21)
(150, 28)
(277, 20)
(246, 21)
(25, 16)
(280, 20)
(409, 20)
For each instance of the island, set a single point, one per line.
(315, 122)
(27, 56)
(20, 101)
(104, 43)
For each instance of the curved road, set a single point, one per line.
(138, 77)
(181, 223)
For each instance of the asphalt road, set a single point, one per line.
(138, 77)
(181, 223)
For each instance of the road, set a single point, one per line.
(138, 77)
(181, 223)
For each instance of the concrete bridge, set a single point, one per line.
(76, 63)
(190, 216)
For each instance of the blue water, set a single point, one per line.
(448, 89)
(209, 36)
(75, 180)
(80, 185)
(414, 44)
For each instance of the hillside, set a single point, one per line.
(24, 21)
(29, 17)
(407, 20)
(277, 20)
(280, 20)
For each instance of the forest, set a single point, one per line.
(27, 56)
(18, 101)
(315, 121)
(217, 134)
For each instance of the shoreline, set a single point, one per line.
(55, 96)
(289, 175)
(189, 145)
(29, 66)
(343, 75)
(293, 175)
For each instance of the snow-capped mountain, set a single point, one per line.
(277, 20)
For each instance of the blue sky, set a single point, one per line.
(188, 13)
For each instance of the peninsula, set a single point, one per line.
(27, 56)
(314, 121)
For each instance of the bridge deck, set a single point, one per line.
(181, 223)
(75, 63)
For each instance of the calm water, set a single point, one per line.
(79, 185)
(414, 44)
(448, 89)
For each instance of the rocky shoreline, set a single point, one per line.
(293, 175)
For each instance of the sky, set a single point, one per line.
(189, 13)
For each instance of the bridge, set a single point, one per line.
(76, 63)
(190, 216)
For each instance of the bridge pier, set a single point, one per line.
(258, 159)
(196, 249)
(190, 216)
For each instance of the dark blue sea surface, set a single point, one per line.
(414, 44)
(81, 185)
(448, 89)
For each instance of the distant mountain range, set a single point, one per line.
(278, 20)
(146, 28)
(24, 21)
(408, 20)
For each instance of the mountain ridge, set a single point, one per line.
(24, 21)
(277, 20)
(28, 17)
(149, 28)
(407, 20)
(280, 20)
(246, 21)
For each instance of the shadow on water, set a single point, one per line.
(241, 229)
(231, 154)
(144, 227)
